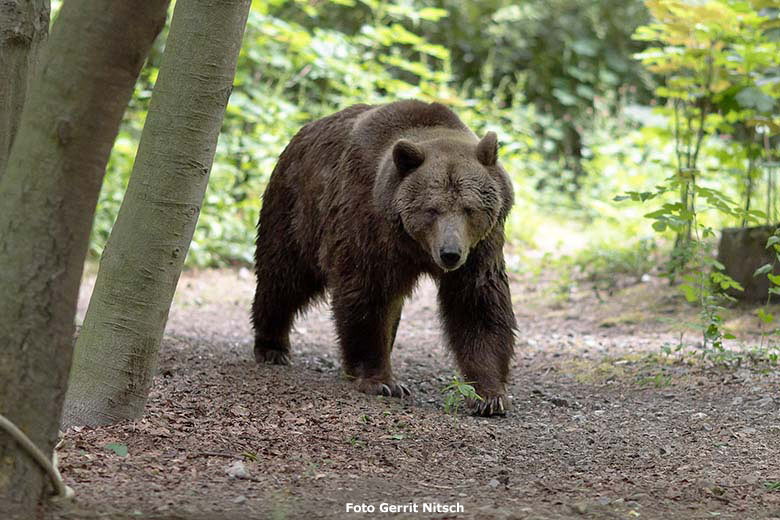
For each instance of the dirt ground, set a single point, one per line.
(602, 425)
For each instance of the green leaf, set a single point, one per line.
(659, 226)
(586, 47)
(774, 239)
(564, 97)
(585, 91)
(432, 14)
(637, 196)
(690, 293)
(725, 281)
(712, 332)
(775, 279)
(753, 97)
(763, 270)
(119, 449)
(766, 317)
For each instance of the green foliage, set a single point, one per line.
(456, 395)
(721, 87)
(767, 319)
(715, 57)
(703, 281)
(575, 58)
(772, 485)
(658, 381)
(568, 58)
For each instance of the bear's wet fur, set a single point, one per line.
(362, 203)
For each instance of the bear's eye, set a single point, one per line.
(432, 212)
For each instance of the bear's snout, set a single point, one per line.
(449, 249)
(449, 255)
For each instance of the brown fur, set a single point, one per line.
(362, 203)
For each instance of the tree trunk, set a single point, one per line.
(115, 357)
(24, 27)
(47, 200)
(742, 251)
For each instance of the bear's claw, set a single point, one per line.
(387, 389)
(272, 357)
(491, 406)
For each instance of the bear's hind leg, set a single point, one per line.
(278, 299)
(285, 285)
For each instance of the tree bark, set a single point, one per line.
(742, 251)
(24, 27)
(115, 357)
(47, 200)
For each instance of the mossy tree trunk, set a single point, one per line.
(24, 27)
(116, 353)
(47, 200)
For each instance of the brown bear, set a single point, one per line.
(362, 203)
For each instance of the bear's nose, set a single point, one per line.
(450, 256)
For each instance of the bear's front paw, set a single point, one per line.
(271, 356)
(386, 388)
(491, 406)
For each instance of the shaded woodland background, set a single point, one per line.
(670, 104)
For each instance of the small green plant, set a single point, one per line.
(669, 349)
(456, 393)
(772, 485)
(658, 381)
(766, 318)
(703, 281)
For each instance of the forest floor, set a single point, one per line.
(603, 424)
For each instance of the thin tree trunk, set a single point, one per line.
(748, 188)
(116, 353)
(24, 27)
(47, 200)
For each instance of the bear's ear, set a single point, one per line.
(487, 149)
(407, 156)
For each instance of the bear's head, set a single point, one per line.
(447, 192)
